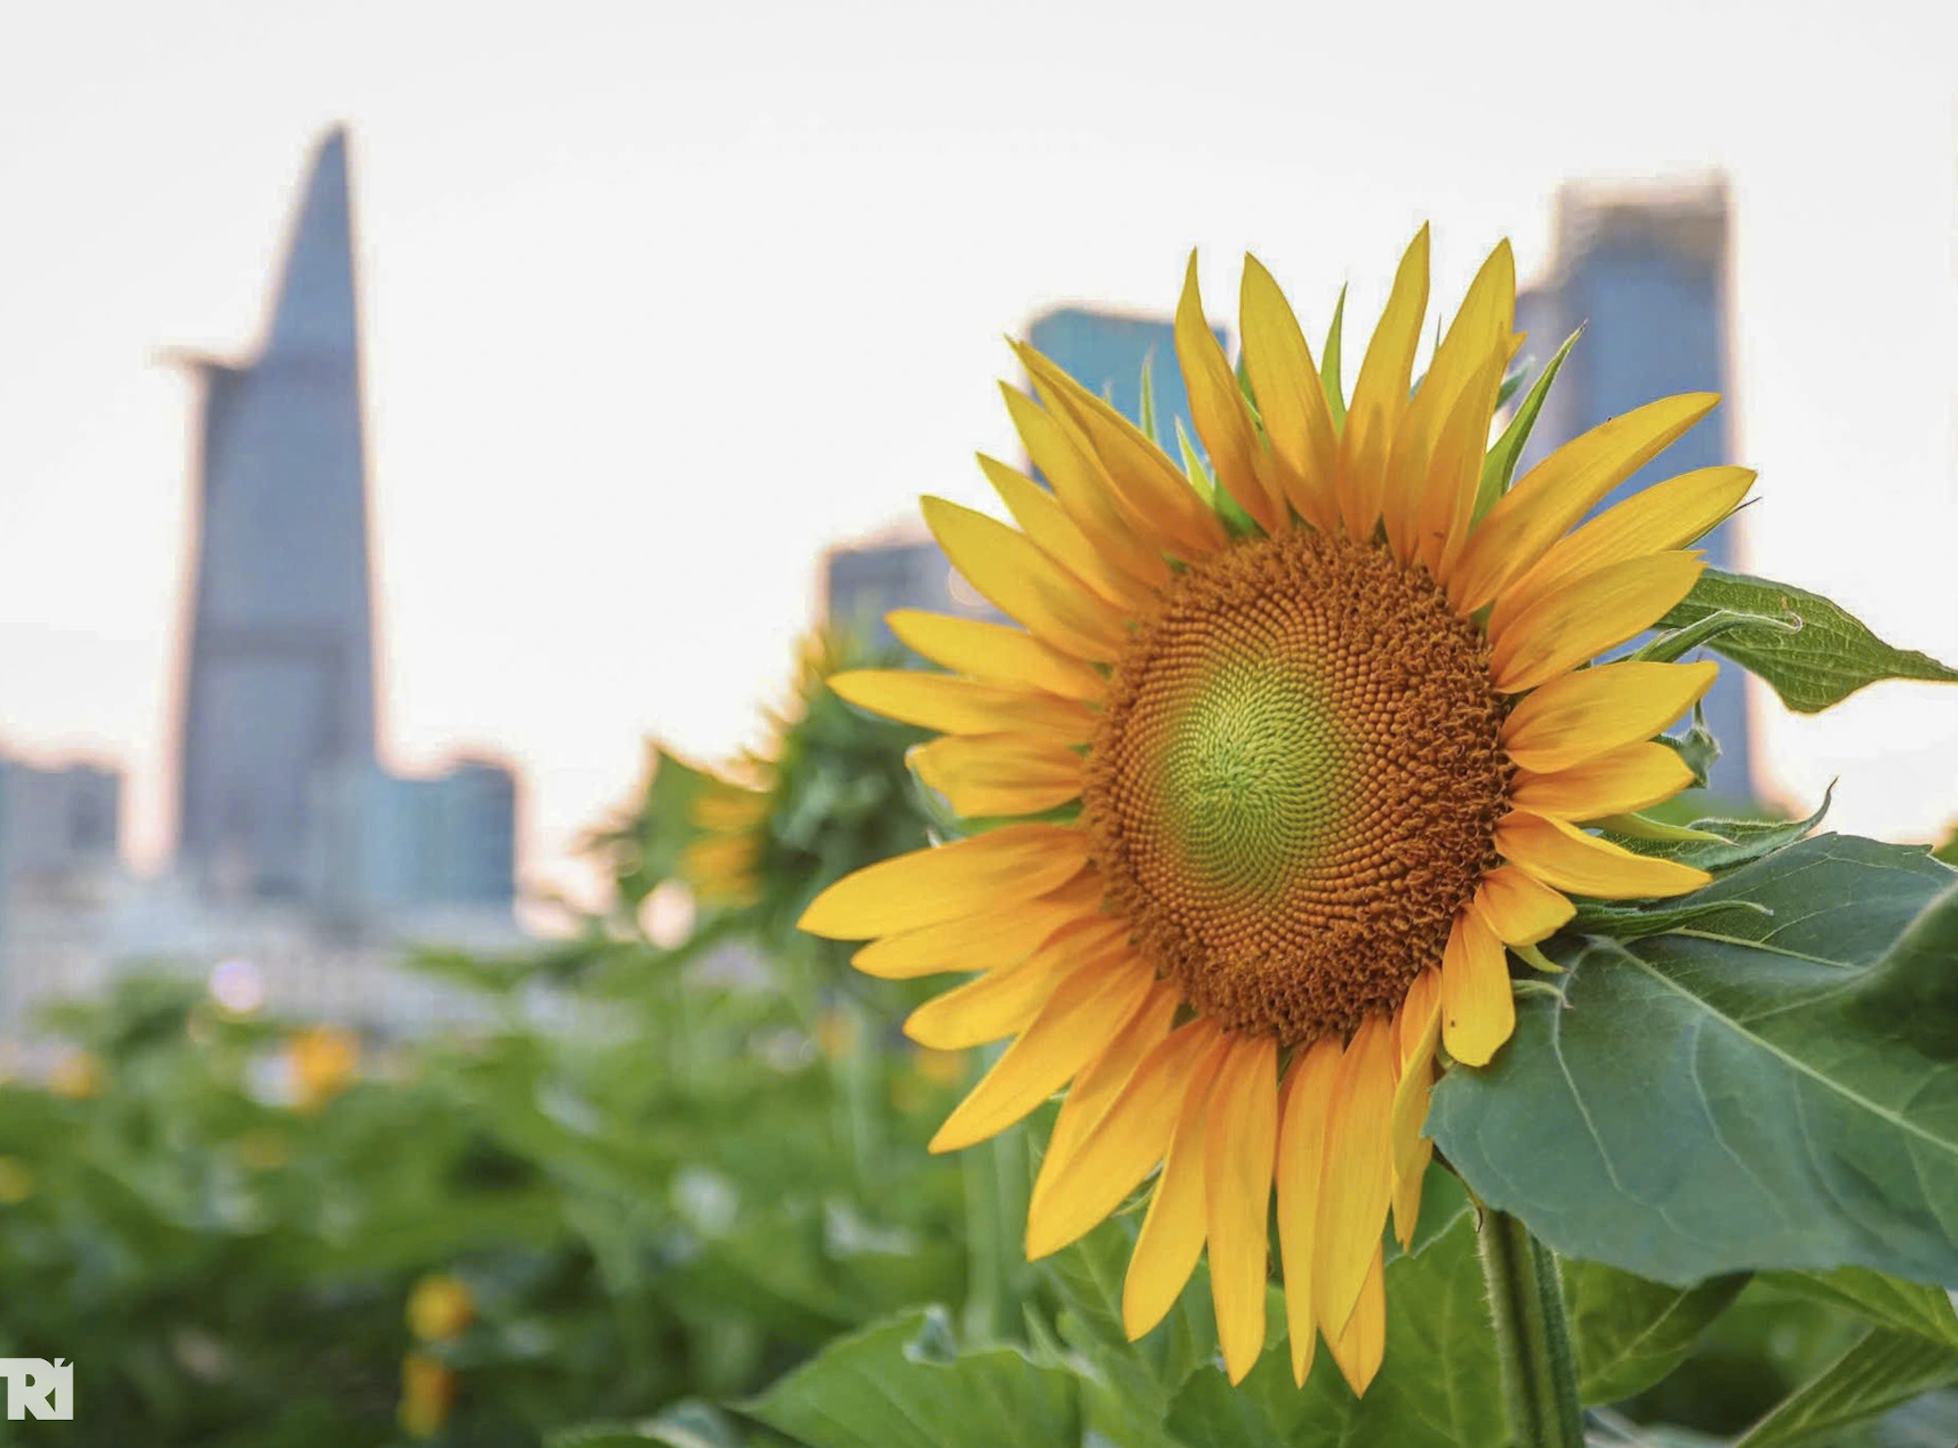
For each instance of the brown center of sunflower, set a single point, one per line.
(1296, 782)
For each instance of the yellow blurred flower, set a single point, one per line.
(16, 1181)
(323, 1061)
(440, 1308)
(837, 1032)
(262, 1150)
(78, 1076)
(428, 1391)
(941, 1068)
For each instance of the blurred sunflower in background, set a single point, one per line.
(1276, 767)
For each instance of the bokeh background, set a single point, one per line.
(407, 411)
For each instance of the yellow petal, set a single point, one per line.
(1565, 858)
(1241, 1138)
(993, 871)
(1583, 715)
(1380, 394)
(1452, 393)
(1171, 1239)
(999, 774)
(1078, 1021)
(959, 706)
(1665, 516)
(996, 653)
(1300, 1173)
(1290, 398)
(986, 941)
(730, 808)
(1361, 1348)
(1447, 500)
(1359, 1176)
(1418, 1027)
(1217, 409)
(1148, 485)
(1101, 1081)
(1631, 777)
(1518, 909)
(1075, 474)
(1581, 619)
(1040, 514)
(1113, 1157)
(1562, 488)
(1478, 1010)
(1002, 1002)
(1009, 569)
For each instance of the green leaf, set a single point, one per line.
(900, 1384)
(1629, 1332)
(1881, 1370)
(1146, 409)
(1438, 1387)
(1329, 371)
(1499, 466)
(1770, 1092)
(1880, 1300)
(684, 1425)
(1828, 660)
(1736, 842)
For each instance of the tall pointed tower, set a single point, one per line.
(281, 670)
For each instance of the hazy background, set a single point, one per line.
(659, 299)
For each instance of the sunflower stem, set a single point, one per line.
(1526, 1308)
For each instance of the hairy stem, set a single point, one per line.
(1526, 1308)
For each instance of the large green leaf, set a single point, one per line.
(1438, 1387)
(684, 1425)
(901, 1384)
(1629, 1332)
(1760, 1092)
(1882, 1369)
(1830, 658)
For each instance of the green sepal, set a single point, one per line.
(1676, 643)
(1639, 827)
(1697, 746)
(1146, 408)
(1329, 371)
(1499, 466)
(1832, 656)
(1237, 522)
(1510, 385)
(1635, 922)
(1730, 843)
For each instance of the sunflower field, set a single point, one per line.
(1365, 1030)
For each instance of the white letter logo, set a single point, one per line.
(39, 1388)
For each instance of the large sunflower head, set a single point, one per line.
(1288, 758)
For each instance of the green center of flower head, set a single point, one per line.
(1296, 782)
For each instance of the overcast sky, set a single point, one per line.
(660, 298)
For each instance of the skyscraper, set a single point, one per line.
(280, 680)
(1106, 351)
(1643, 269)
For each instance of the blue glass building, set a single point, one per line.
(1644, 271)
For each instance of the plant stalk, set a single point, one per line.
(1526, 1308)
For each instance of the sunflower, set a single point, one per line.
(1271, 774)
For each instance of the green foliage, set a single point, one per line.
(1761, 1092)
(1880, 1370)
(1827, 660)
(1329, 364)
(1628, 1332)
(1499, 464)
(904, 1384)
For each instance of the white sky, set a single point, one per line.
(662, 297)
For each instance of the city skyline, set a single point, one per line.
(554, 564)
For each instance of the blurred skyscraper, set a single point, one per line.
(56, 820)
(1643, 269)
(280, 681)
(1106, 353)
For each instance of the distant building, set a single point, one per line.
(1643, 269)
(280, 678)
(57, 821)
(864, 581)
(401, 849)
